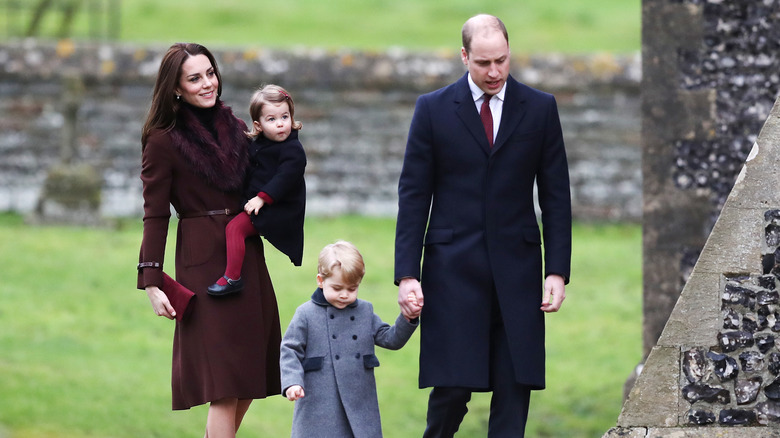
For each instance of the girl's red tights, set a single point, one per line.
(236, 232)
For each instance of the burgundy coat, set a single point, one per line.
(227, 346)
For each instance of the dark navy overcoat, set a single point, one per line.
(468, 210)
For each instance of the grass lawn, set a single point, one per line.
(82, 354)
(534, 25)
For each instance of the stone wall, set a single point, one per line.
(355, 107)
(710, 77)
(709, 81)
(717, 363)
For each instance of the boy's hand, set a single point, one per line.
(411, 298)
(254, 205)
(294, 392)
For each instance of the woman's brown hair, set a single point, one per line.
(162, 113)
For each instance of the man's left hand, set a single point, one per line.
(554, 293)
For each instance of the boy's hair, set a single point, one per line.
(270, 94)
(345, 256)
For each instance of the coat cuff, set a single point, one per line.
(265, 197)
(149, 274)
(398, 280)
(565, 277)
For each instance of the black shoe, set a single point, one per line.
(231, 287)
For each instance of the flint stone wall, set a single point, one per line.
(355, 108)
(709, 79)
(715, 369)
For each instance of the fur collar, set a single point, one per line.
(222, 161)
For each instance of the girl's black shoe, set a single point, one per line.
(231, 287)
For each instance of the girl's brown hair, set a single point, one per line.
(270, 94)
(162, 113)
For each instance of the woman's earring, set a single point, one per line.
(178, 97)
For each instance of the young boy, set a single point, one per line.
(327, 354)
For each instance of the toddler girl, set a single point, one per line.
(274, 186)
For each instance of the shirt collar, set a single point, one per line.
(476, 92)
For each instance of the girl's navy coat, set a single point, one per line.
(277, 169)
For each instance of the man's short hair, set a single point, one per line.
(478, 23)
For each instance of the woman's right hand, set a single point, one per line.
(160, 302)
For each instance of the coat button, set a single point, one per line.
(337, 357)
(334, 336)
(332, 316)
(354, 337)
(352, 318)
(357, 355)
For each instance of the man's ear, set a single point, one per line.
(464, 56)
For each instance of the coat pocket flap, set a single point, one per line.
(312, 363)
(438, 235)
(370, 361)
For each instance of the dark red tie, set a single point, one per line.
(487, 118)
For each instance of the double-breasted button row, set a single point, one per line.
(333, 316)
(336, 336)
(337, 357)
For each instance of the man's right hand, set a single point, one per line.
(409, 307)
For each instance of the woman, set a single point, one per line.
(226, 350)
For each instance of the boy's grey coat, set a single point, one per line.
(330, 353)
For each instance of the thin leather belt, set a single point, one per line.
(225, 211)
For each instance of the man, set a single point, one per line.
(467, 201)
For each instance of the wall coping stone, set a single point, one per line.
(338, 69)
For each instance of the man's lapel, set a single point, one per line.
(512, 113)
(468, 114)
